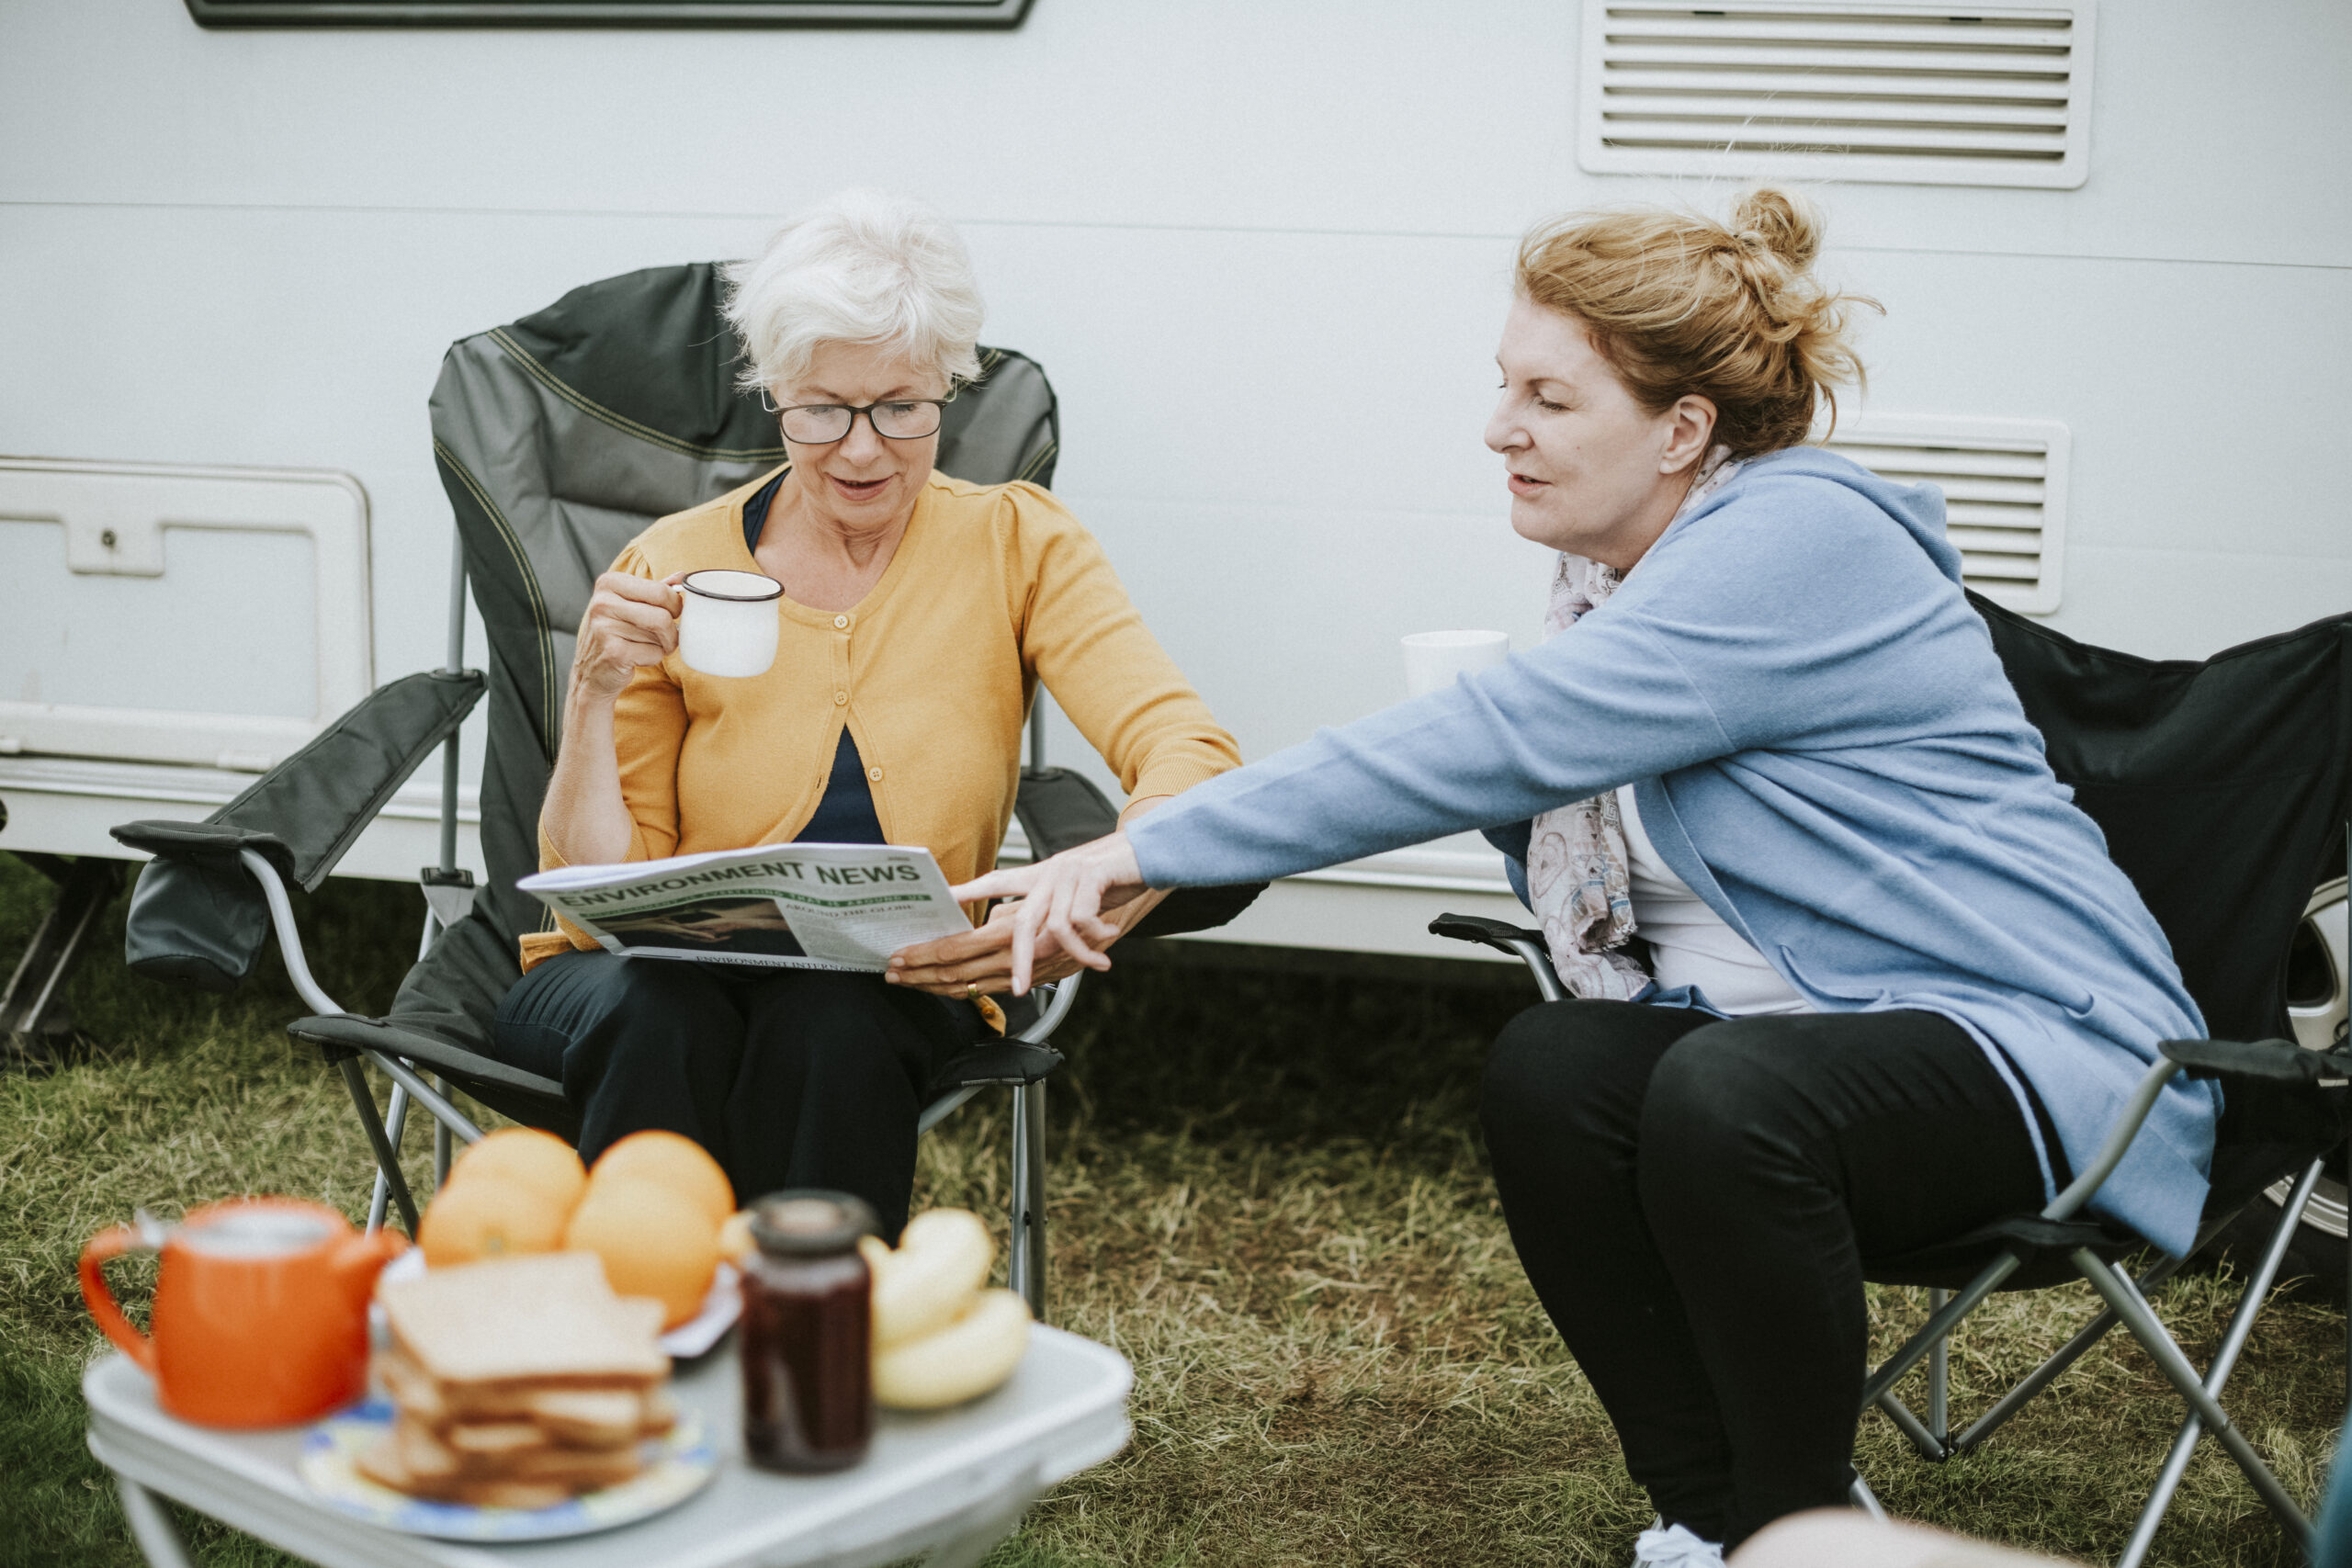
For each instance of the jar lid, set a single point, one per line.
(808, 1222)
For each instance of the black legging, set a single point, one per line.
(1692, 1199)
(790, 1077)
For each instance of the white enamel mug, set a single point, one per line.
(728, 622)
(1435, 661)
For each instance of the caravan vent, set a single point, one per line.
(1891, 90)
(2004, 494)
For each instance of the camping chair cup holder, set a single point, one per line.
(559, 438)
(2246, 750)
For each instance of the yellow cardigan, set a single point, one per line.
(993, 588)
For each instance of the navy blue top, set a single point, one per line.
(846, 815)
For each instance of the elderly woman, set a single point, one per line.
(1888, 986)
(919, 616)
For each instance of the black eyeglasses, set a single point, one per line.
(895, 419)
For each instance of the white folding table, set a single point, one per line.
(952, 1484)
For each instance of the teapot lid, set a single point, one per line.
(256, 1229)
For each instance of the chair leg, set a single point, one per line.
(1931, 1447)
(34, 1019)
(444, 1142)
(2117, 1289)
(2065, 1355)
(388, 1159)
(1866, 1500)
(395, 1126)
(1025, 1267)
(2144, 1533)
(1940, 1378)
(1939, 1324)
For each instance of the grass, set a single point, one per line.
(1268, 1192)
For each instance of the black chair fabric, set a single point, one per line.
(195, 917)
(2221, 785)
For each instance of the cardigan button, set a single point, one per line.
(842, 621)
(874, 773)
(840, 697)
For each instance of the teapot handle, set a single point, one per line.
(361, 1256)
(100, 1300)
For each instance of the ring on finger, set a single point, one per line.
(971, 989)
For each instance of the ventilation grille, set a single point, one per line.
(1892, 90)
(2004, 494)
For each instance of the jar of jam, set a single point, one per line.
(806, 1339)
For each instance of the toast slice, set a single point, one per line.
(584, 1416)
(380, 1462)
(509, 1451)
(543, 1319)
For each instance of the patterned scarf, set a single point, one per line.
(1577, 876)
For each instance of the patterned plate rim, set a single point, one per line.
(683, 1464)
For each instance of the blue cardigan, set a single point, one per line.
(1823, 745)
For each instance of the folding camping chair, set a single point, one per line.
(2224, 789)
(559, 438)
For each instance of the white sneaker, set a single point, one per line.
(1675, 1547)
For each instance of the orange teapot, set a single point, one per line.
(261, 1309)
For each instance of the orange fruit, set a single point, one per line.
(653, 1242)
(527, 1157)
(667, 1159)
(470, 1221)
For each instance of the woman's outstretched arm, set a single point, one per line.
(1064, 902)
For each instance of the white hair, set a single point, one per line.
(863, 266)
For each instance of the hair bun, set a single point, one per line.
(1781, 221)
(1678, 303)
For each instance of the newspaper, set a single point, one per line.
(805, 906)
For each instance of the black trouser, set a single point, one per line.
(1692, 1199)
(790, 1077)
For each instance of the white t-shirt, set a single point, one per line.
(1690, 944)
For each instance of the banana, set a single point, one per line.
(961, 1361)
(941, 1264)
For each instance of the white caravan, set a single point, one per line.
(1262, 250)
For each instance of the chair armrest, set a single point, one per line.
(1528, 946)
(996, 1062)
(215, 842)
(197, 917)
(1060, 809)
(1198, 910)
(315, 804)
(345, 1034)
(1478, 929)
(2276, 1060)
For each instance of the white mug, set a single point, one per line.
(1435, 661)
(728, 622)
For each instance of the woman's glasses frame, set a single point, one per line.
(848, 412)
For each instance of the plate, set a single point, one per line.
(683, 1465)
(720, 1307)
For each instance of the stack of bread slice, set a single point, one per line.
(518, 1383)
